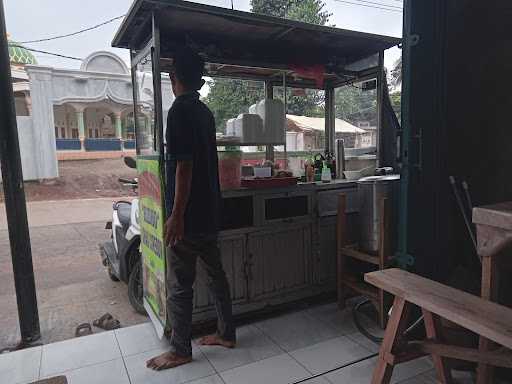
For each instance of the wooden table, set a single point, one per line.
(494, 234)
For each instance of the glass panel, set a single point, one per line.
(305, 128)
(357, 124)
(356, 114)
(145, 122)
(228, 98)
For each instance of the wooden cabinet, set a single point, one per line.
(324, 256)
(279, 260)
(285, 251)
(233, 251)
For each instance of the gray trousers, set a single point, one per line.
(181, 274)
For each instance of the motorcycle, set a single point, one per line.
(121, 255)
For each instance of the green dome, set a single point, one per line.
(20, 55)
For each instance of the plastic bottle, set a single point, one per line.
(326, 173)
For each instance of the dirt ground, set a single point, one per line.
(82, 179)
(72, 285)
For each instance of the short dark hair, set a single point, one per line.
(189, 68)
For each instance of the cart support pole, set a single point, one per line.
(15, 203)
(381, 78)
(269, 94)
(330, 119)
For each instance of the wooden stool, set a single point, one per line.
(346, 278)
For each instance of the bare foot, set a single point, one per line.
(167, 360)
(216, 340)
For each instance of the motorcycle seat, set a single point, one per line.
(124, 213)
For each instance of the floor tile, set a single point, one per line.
(459, 377)
(111, 372)
(411, 369)
(296, 330)
(317, 380)
(77, 353)
(280, 369)
(420, 379)
(342, 321)
(359, 373)
(139, 374)
(252, 345)
(365, 342)
(138, 339)
(329, 354)
(21, 366)
(215, 379)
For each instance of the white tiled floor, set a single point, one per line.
(283, 350)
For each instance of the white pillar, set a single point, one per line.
(80, 123)
(45, 154)
(118, 124)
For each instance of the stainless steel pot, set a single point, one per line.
(371, 190)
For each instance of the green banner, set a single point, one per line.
(152, 222)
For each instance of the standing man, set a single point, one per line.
(193, 221)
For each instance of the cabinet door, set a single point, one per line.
(233, 252)
(326, 253)
(325, 258)
(279, 260)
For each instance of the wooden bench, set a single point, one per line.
(436, 300)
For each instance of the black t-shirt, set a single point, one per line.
(191, 136)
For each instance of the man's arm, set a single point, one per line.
(175, 226)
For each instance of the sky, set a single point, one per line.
(35, 19)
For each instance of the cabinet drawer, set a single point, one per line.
(284, 207)
(328, 202)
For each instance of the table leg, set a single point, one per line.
(397, 324)
(434, 328)
(489, 292)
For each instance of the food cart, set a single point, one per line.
(279, 244)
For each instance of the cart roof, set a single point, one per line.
(247, 45)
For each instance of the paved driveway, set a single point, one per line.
(72, 285)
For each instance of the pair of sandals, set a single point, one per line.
(106, 322)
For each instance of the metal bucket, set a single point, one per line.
(371, 190)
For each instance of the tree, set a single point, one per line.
(275, 8)
(396, 103)
(355, 105)
(309, 11)
(396, 73)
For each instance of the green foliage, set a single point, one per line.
(355, 105)
(396, 103)
(309, 11)
(396, 73)
(311, 104)
(275, 8)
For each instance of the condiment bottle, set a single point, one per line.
(326, 173)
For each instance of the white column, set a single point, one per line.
(43, 122)
(118, 124)
(80, 122)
